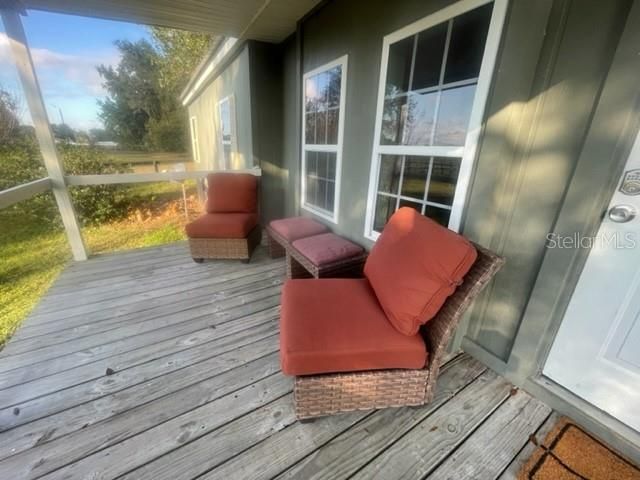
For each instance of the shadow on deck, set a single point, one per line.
(145, 365)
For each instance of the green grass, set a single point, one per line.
(32, 254)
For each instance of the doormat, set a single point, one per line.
(569, 453)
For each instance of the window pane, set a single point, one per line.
(442, 183)
(331, 192)
(429, 52)
(385, 206)
(332, 158)
(415, 205)
(335, 77)
(332, 126)
(311, 94)
(389, 177)
(310, 128)
(399, 66)
(393, 118)
(322, 194)
(312, 190)
(312, 163)
(420, 118)
(225, 119)
(322, 164)
(414, 178)
(466, 47)
(322, 81)
(321, 127)
(440, 215)
(453, 116)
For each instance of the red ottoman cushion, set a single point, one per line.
(337, 325)
(414, 266)
(326, 248)
(232, 193)
(297, 227)
(222, 225)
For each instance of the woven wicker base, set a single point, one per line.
(225, 248)
(322, 395)
(298, 266)
(276, 244)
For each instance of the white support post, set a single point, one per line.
(24, 64)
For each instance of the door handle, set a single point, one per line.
(622, 213)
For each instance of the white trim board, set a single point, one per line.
(466, 153)
(24, 191)
(330, 216)
(195, 144)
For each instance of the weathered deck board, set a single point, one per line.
(185, 400)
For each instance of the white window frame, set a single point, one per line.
(467, 153)
(195, 146)
(227, 163)
(337, 149)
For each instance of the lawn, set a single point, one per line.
(33, 255)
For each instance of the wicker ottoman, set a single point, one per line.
(325, 255)
(281, 233)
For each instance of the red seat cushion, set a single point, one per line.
(294, 228)
(232, 193)
(222, 225)
(326, 248)
(336, 325)
(414, 266)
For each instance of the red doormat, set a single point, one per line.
(569, 453)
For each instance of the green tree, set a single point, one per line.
(8, 114)
(143, 110)
(133, 93)
(63, 132)
(179, 53)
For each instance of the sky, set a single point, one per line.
(66, 50)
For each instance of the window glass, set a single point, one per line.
(442, 183)
(393, 117)
(440, 215)
(466, 47)
(420, 71)
(429, 94)
(419, 182)
(225, 120)
(429, 53)
(414, 178)
(453, 115)
(399, 66)
(390, 167)
(321, 132)
(385, 206)
(419, 124)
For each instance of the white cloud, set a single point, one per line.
(64, 75)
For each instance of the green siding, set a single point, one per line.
(234, 79)
(266, 127)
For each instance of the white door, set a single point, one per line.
(596, 354)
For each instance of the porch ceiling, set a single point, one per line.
(266, 20)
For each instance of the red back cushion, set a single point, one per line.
(232, 193)
(414, 266)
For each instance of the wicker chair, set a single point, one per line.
(229, 229)
(328, 394)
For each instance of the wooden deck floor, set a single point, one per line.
(145, 365)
